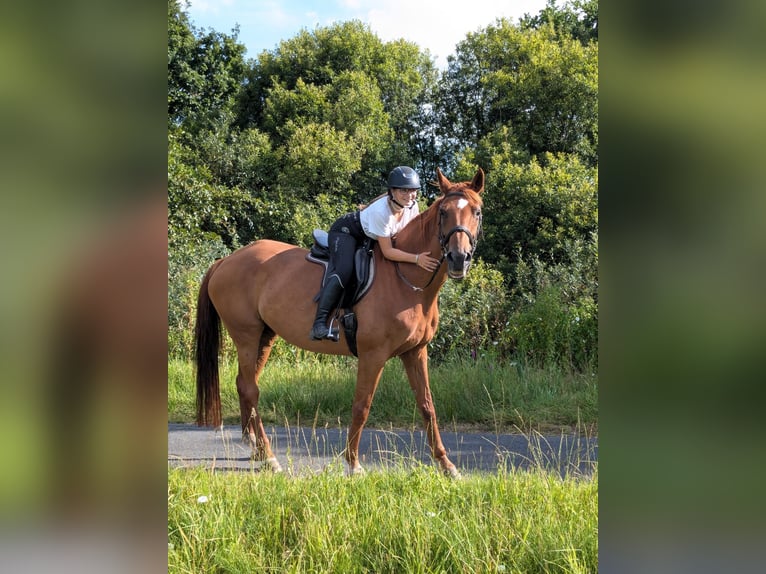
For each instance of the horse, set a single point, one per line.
(266, 289)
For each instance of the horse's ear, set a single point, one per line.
(444, 183)
(477, 183)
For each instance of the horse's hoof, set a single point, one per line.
(356, 471)
(453, 473)
(273, 464)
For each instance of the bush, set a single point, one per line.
(552, 331)
(553, 310)
(188, 260)
(470, 313)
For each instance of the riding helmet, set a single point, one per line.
(403, 177)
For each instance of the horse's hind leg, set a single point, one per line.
(252, 356)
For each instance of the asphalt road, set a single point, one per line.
(314, 449)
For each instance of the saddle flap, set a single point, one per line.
(361, 265)
(364, 268)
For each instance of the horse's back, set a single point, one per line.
(251, 261)
(265, 281)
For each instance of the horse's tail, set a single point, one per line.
(207, 341)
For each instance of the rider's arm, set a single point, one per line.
(423, 260)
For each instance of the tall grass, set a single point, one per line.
(319, 390)
(397, 521)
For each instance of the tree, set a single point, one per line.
(344, 76)
(205, 71)
(319, 159)
(536, 209)
(197, 205)
(578, 19)
(541, 85)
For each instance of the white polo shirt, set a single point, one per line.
(378, 220)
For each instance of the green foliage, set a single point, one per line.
(551, 331)
(358, 109)
(319, 214)
(404, 520)
(553, 312)
(470, 313)
(196, 204)
(541, 85)
(286, 110)
(346, 77)
(292, 139)
(188, 260)
(578, 19)
(236, 158)
(205, 71)
(537, 208)
(318, 159)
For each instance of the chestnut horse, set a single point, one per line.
(266, 289)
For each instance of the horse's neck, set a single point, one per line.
(422, 235)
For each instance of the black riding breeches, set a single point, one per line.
(344, 236)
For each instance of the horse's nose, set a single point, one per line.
(458, 263)
(459, 258)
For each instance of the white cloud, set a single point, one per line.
(213, 6)
(432, 25)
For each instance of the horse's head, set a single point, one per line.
(459, 221)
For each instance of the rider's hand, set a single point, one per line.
(425, 261)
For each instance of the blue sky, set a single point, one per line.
(428, 23)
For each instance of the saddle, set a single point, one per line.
(364, 275)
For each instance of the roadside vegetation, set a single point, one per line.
(397, 521)
(483, 393)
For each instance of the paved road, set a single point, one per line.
(300, 449)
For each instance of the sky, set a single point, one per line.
(428, 23)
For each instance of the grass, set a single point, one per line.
(481, 393)
(397, 520)
(404, 517)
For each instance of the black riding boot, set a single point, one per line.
(328, 300)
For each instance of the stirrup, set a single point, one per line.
(333, 334)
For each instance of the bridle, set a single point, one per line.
(444, 243)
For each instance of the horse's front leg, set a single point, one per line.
(367, 378)
(416, 364)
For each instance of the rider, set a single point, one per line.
(384, 217)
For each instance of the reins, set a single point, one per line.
(415, 287)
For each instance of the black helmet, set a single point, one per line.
(403, 177)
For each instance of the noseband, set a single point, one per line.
(444, 243)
